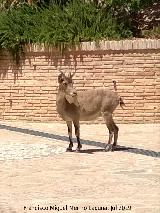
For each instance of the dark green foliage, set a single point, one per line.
(63, 22)
(15, 29)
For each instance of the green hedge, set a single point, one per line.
(65, 22)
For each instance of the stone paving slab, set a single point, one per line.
(36, 172)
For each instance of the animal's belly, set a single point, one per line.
(89, 117)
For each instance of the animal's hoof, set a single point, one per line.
(69, 149)
(79, 148)
(108, 147)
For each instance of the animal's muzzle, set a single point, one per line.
(73, 93)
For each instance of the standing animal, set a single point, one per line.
(74, 106)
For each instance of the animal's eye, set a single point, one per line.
(64, 83)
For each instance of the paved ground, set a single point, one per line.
(36, 172)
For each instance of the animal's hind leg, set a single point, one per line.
(77, 133)
(116, 129)
(69, 125)
(110, 125)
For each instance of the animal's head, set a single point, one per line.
(66, 85)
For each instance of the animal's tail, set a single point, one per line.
(121, 102)
(115, 85)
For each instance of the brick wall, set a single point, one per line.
(29, 92)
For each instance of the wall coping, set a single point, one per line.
(122, 45)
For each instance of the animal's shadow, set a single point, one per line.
(120, 148)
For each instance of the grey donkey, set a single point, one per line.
(74, 106)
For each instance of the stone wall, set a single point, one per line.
(29, 92)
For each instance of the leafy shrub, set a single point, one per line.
(62, 22)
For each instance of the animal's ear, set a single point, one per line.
(72, 74)
(72, 100)
(69, 75)
(60, 78)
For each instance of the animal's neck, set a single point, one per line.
(60, 89)
(61, 95)
(60, 102)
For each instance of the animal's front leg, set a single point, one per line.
(69, 125)
(77, 133)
